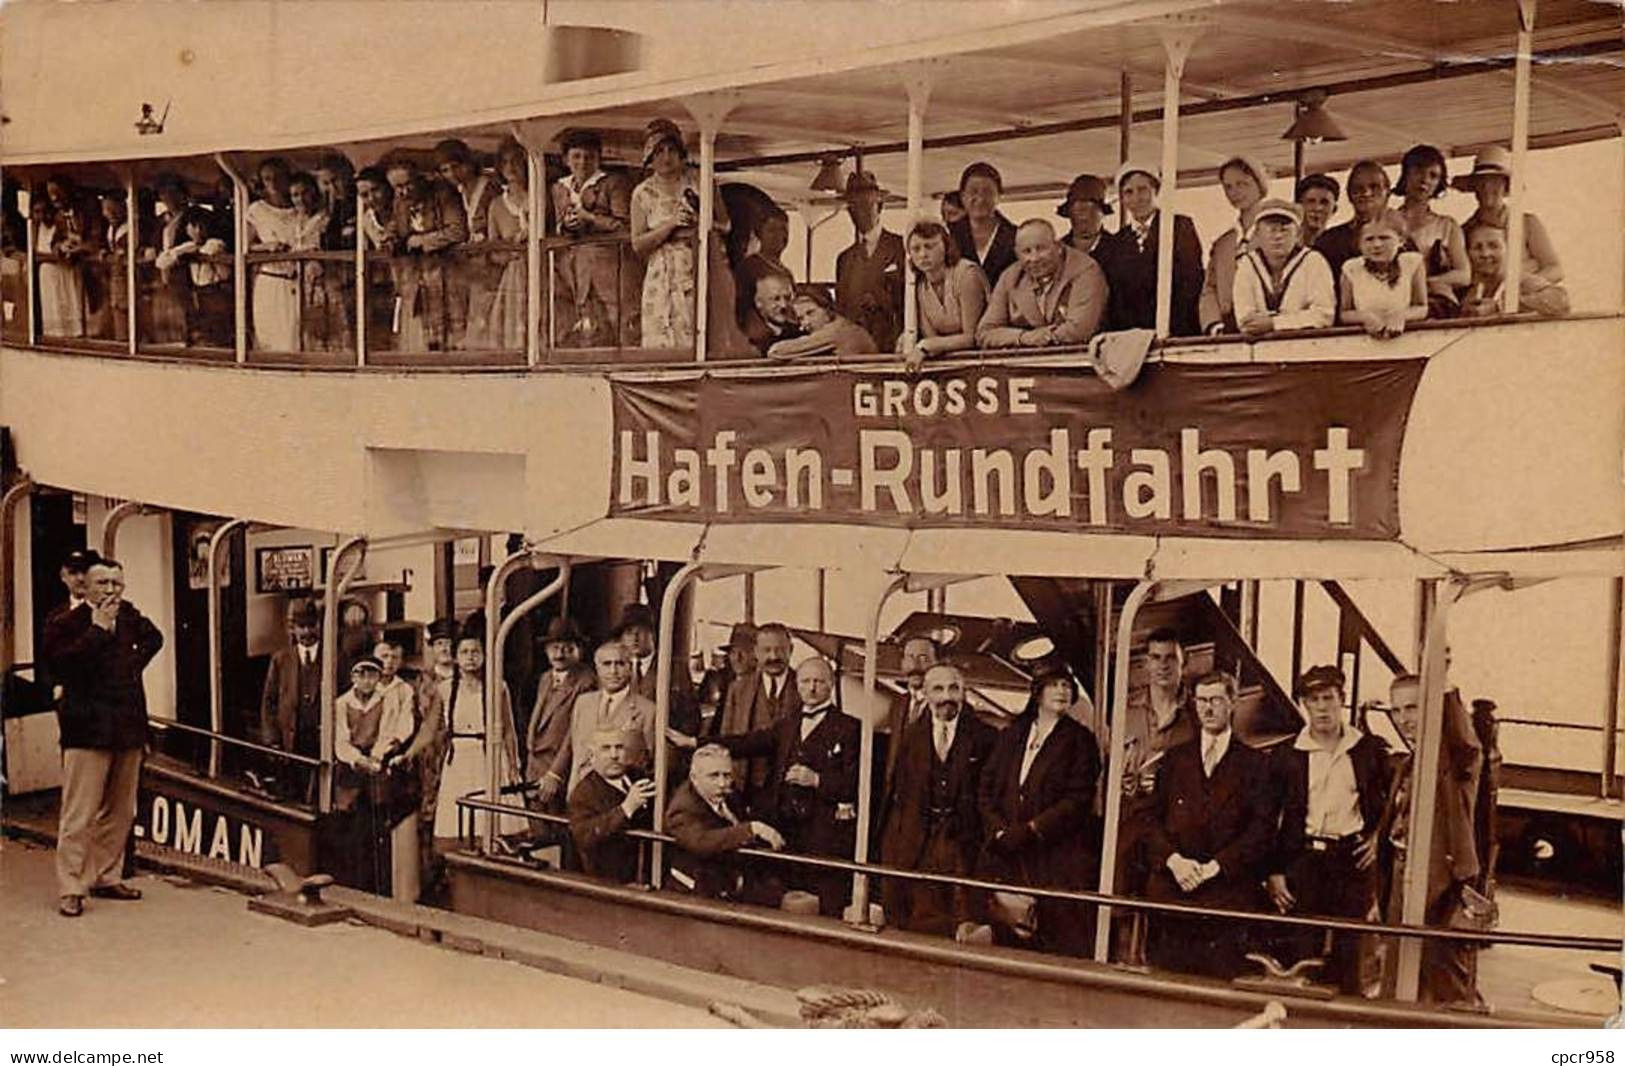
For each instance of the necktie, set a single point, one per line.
(1210, 747)
(773, 689)
(941, 727)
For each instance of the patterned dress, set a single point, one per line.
(668, 278)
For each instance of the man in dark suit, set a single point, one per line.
(929, 814)
(869, 273)
(98, 652)
(1037, 800)
(1332, 782)
(708, 830)
(567, 678)
(75, 575)
(1212, 838)
(773, 318)
(604, 805)
(291, 702)
(1132, 266)
(810, 793)
(758, 699)
(919, 655)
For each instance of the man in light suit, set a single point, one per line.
(1214, 830)
(760, 698)
(566, 680)
(708, 830)
(929, 815)
(1054, 294)
(613, 706)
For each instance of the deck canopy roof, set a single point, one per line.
(1038, 95)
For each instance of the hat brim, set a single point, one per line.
(1469, 182)
(1065, 207)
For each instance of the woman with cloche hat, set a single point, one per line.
(1490, 180)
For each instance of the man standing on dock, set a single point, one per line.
(98, 651)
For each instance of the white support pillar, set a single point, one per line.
(496, 692)
(1424, 791)
(708, 110)
(31, 289)
(663, 671)
(216, 682)
(1520, 157)
(536, 167)
(360, 280)
(131, 250)
(1177, 40)
(337, 582)
(859, 912)
(239, 253)
(1114, 761)
(917, 81)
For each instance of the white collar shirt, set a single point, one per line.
(772, 686)
(871, 240)
(1334, 793)
(1042, 728)
(942, 735)
(811, 720)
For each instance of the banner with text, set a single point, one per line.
(1305, 450)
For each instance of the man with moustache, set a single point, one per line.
(613, 705)
(919, 655)
(1333, 783)
(773, 318)
(565, 681)
(98, 652)
(604, 805)
(929, 815)
(707, 828)
(758, 699)
(291, 702)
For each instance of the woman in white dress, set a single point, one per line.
(61, 232)
(509, 222)
(665, 211)
(1383, 288)
(274, 226)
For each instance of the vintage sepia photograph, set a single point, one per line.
(743, 514)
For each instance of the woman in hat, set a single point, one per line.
(951, 292)
(1246, 182)
(984, 235)
(1037, 802)
(665, 215)
(1131, 272)
(1438, 237)
(1490, 181)
(1279, 283)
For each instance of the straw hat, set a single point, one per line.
(1493, 162)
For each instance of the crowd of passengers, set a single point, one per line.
(455, 276)
(762, 756)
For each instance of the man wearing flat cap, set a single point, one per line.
(1333, 783)
(566, 679)
(869, 274)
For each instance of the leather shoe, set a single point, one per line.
(71, 906)
(120, 891)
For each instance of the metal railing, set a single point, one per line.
(1083, 896)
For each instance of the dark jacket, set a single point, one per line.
(869, 288)
(598, 824)
(1131, 277)
(907, 818)
(1050, 815)
(549, 727)
(1000, 254)
(747, 709)
(284, 700)
(811, 819)
(1229, 818)
(703, 862)
(1290, 771)
(104, 703)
